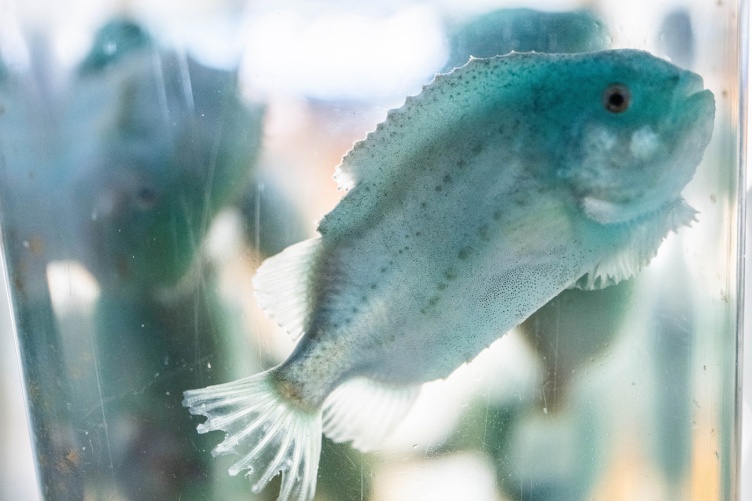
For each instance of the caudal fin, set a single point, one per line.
(269, 433)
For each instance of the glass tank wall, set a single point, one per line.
(152, 155)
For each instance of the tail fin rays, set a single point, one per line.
(280, 437)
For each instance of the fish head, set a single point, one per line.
(634, 130)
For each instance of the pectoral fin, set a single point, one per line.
(365, 412)
(282, 284)
(644, 238)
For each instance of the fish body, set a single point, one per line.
(503, 183)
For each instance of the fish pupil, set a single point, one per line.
(616, 99)
(146, 198)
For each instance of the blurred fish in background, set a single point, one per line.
(676, 38)
(523, 30)
(165, 145)
(169, 146)
(145, 147)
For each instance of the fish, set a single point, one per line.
(523, 30)
(159, 144)
(501, 184)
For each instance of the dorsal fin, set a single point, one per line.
(282, 283)
(378, 162)
(643, 245)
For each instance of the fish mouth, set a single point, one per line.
(690, 84)
(691, 101)
(691, 89)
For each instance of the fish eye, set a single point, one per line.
(146, 198)
(616, 98)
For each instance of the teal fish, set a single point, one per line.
(159, 144)
(501, 184)
(518, 29)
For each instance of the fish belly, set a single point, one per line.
(441, 275)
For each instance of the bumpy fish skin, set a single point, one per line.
(501, 184)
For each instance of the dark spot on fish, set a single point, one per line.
(502, 129)
(450, 274)
(483, 232)
(438, 188)
(477, 148)
(433, 300)
(447, 178)
(417, 233)
(441, 286)
(367, 188)
(461, 163)
(423, 205)
(373, 286)
(465, 252)
(497, 215)
(423, 311)
(383, 269)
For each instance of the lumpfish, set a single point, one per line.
(501, 184)
(520, 29)
(159, 144)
